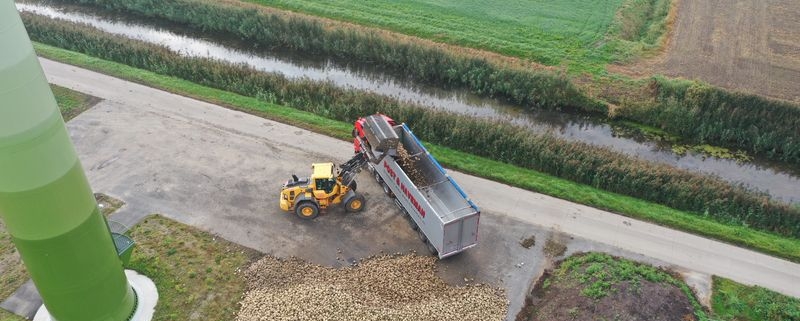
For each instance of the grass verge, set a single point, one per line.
(196, 273)
(12, 272)
(732, 301)
(72, 103)
(108, 205)
(527, 179)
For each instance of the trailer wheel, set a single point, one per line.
(307, 210)
(378, 177)
(422, 236)
(411, 222)
(355, 204)
(431, 249)
(387, 190)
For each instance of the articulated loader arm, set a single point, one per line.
(348, 170)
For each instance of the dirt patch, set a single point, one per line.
(380, 288)
(107, 204)
(528, 242)
(647, 301)
(599, 287)
(555, 246)
(751, 46)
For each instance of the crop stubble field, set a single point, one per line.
(751, 46)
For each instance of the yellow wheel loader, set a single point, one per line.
(309, 197)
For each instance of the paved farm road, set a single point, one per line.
(164, 153)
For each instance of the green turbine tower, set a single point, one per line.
(45, 199)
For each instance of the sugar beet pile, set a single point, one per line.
(380, 288)
(407, 161)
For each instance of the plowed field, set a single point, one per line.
(750, 45)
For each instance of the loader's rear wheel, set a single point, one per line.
(307, 211)
(355, 204)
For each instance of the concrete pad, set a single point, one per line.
(24, 302)
(700, 283)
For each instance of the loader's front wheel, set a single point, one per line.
(355, 203)
(307, 211)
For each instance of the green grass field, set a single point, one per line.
(584, 35)
(72, 103)
(732, 301)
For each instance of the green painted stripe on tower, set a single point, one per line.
(94, 283)
(45, 199)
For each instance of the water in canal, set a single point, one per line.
(780, 182)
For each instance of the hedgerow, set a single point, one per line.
(712, 115)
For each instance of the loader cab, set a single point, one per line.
(323, 180)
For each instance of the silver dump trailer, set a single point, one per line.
(446, 219)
